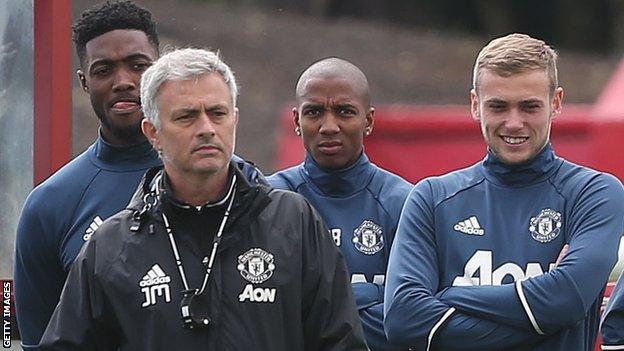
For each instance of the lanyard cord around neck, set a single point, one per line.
(215, 243)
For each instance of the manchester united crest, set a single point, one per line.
(256, 265)
(546, 226)
(368, 238)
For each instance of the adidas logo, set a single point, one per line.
(97, 222)
(154, 276)
(469, 226)
(154, 284)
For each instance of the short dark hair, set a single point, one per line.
(110, 16)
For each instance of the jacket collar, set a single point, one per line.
(339, 183)
(536, 170)
(249, 201)
(167, 194)
(108, 153)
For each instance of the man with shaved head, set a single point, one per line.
(360, 202)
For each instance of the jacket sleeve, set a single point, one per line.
(369, 301)
(413, 314)
(331, 320)
(562, 297)
(81, 320)
(39, 275)
(612, 326)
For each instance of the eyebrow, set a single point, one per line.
(346, 104)
(341, 102)
(311, 104)
(532, 101)
(218, 107)
(132, 57)
(184, 110)
(496, 101)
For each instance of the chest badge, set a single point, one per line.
(155, 283)
(256, 265)
(546, 226)
(368, 238)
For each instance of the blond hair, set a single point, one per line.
(516, 53)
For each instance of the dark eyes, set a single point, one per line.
(311, 112)
(346, 111)
(214, 115)
(104, 70)
(497, 107)
(183, 117)
(101, 71)
(141, 66)
(341, 111)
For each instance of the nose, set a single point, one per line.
(329, 124)
(125, 80)
(515, 120)
(205, 126)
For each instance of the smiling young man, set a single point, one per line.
(514, 252)
(359, 201)
(115, 43)
(202, 259)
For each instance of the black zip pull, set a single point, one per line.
(149, 201)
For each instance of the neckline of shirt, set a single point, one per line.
(342, 182)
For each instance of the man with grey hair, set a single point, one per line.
(201, 258)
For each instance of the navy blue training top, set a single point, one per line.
(361, 206)
(473, 263)
(60, 215)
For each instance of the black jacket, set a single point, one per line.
(278, 283)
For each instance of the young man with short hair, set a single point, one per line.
(514, 252)
(115, 42)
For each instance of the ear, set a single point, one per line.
(83, 80)
(370, 121)
(474, 105)
(295, 116)
(557, 102)
(151, 133)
